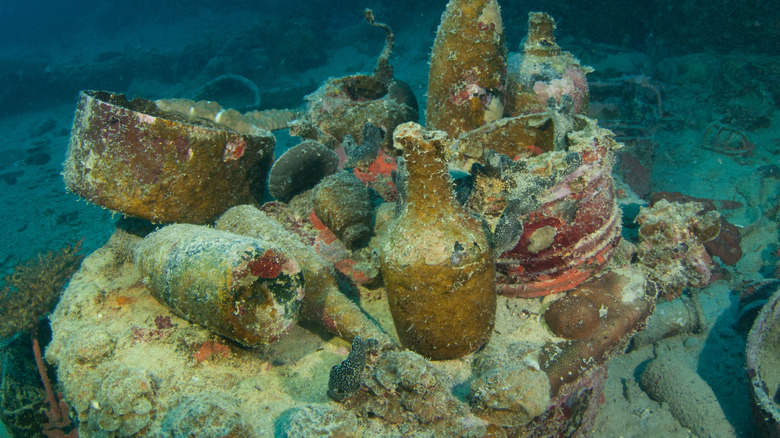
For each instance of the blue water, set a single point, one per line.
(664, 72)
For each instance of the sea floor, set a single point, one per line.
(40, 215)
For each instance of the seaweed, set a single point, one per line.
(33, 288)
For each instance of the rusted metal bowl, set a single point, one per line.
(131, 157)
(763, 367)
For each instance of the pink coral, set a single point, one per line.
(572, 82)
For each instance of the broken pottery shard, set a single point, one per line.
(301, 168)
(516, 137)
(239, 287)
(132, 157)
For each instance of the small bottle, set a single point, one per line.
(436, 262)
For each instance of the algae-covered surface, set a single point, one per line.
(664, 76)
(128, 364)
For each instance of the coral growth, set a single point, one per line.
(314, 421)
(402, 386)
(32, 290)
(572, 83)
(508, 389)
(671, 244)
(727, 245)
(572, 317)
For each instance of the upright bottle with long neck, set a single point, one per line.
(436, 262)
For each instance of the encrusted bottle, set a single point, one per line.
(246, 289)
(436, 262)
(467, 78)
(544, 72)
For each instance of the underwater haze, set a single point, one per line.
(623, 172)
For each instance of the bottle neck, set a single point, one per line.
(541, 40)
(429, 187)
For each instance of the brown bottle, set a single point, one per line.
(467, 78)
(436, 262)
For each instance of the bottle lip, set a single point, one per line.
(541, 38)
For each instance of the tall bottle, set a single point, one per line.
(467, 78)
(436, 262)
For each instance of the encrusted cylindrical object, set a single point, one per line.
(343, 204)
(566, 204)
(436, 261)
(466, 81)
(239, 287)
(131, 157)
(324, 303)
